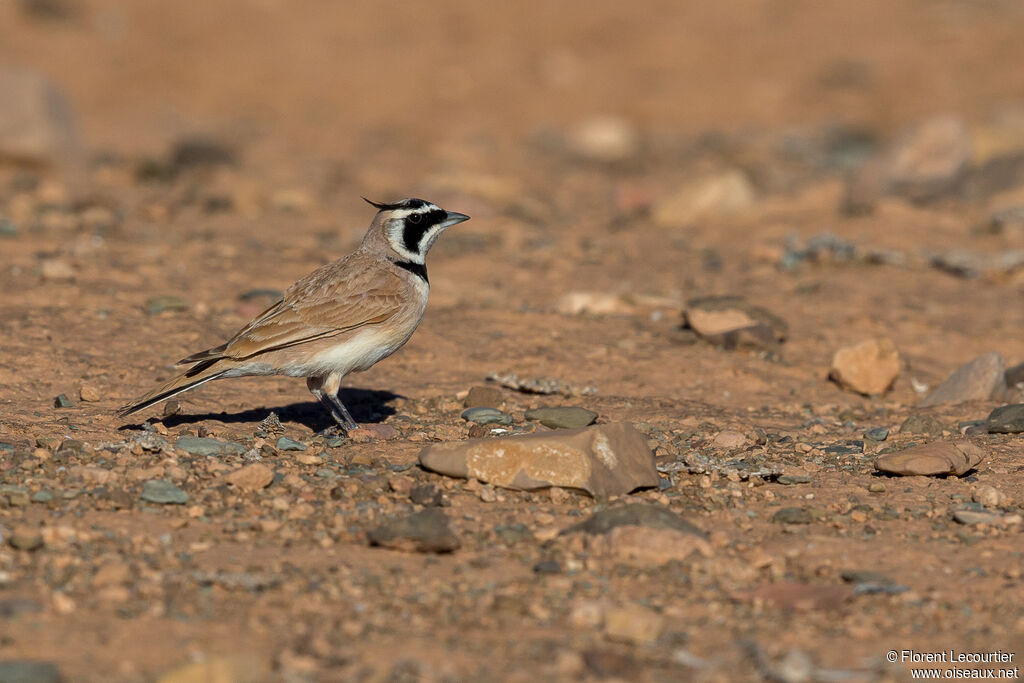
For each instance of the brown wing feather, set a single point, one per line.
(339, 297)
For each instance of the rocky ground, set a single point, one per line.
(814, 322)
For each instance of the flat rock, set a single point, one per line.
(603, 460)
(922, 424)
(981, 379)
(286, 444)
(930, 160)
(1007, 419)
(562, 417)
(252, 477)
(641, 535)
(729, 440)
(636, 514)
(427, 531)
(36, 123)
(723, 194)
(868, 368)
(932, 459)
(204, 445)
(163, 492)
(732, 321)
(486, 416)
(632, 624)
(220, 669)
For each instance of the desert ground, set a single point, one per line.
(849, 172)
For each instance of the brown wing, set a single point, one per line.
(336, 298)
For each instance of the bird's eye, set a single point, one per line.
(414, 218)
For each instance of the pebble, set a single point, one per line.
(723, 194)
(252, 477)
(163, 492)
(29, 671)
(26, 538)
(158, 304)
(8, 228)
(89, 393)
(205, 445)
(732, 323)
(729, 440)
(427, 495)
(791, 479)
(642, 534)
(932, 459)
(981, 379)
(604, 139)
(220, 669)
(482, 397)
(792, 515)
(486, 416)
(876, 487)
(633, 624)
(929, 161)
(877, 434)
(971, 517)
(592, 303)
(922, 424)
(427, 531)
(1007, 419)
(62, 401)
(868, 368)
(562, 417)
(42, 497)
(604, 460)
(286, 444)
(989, 496)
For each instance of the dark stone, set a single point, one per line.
(921, 424)
(163, 492)
(791, 479)
(427, 495)
(562, 417)
(62, 401)
(427, 531)
(547, 567)
(877, 434)
(636, 514)
(286, 444)
(1007, 419)
(204, 445)
(197, 151)
(25, 671)
(792, 516)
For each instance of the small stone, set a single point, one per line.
(204, 445)
(547, 567)
(971, 517)
(483, 397)
(592, 303)
(876, 487)
(286, 444)
(562, 417)
(1007, 419)
(731, 322)
(28, 671)
(604, 460)
(989, 496)
(400, 484)
(922, 424)
(427, 531)
(604, 139)
(981, 379)
(252, 477)
(26, 538)
(486, 416)
(220, 669)
(1015, 375)
(932, 459)
(792, 479)
(42, 497)
(720, 195)
(163, 492)
(729, 440)
(194, 151)
(171, 408)
(868, 368)
(56, 270)
(792, 515)
(877, 434)
(158, 304)
(633, 624)
(427, 495)
(930, 161)
(89, 393)
(62, 401)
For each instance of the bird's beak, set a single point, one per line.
(453, 218)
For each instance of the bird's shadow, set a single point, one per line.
(366, 405)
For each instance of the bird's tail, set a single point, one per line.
(200, 373)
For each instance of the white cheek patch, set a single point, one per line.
(395, 239)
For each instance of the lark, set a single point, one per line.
(342, 318)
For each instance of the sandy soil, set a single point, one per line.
(113, 270)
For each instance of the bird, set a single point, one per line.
(343, 317)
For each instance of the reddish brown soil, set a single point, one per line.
(470, 105)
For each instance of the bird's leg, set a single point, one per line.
(326, 391)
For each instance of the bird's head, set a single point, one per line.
(410, 227)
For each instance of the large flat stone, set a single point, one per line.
(603, 460)
(981, 379)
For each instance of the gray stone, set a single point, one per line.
(562, 417)
(979, 380)
(486, 416)
(163, 492)
(604, 460)
(36, 123)
(427, 495)
(1007, 419)
(932, 459)
(970, 517)
(792, 515)
(1015, 375)
(62, 401)
(286, 444)
(159, 304)
(42, 497)
(930, 161)
(427, 531)
(8, 228)
(877, 434)
(636, 514)
(204, 445)
(921, 424)
(26, 671)
(791, 479)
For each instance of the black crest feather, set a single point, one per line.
(404, 204)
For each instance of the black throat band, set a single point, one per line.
(415, 268)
